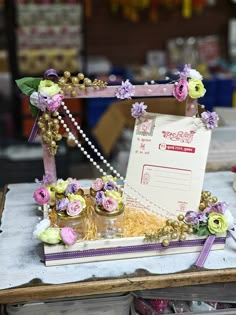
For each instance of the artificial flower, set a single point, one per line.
(196, 88)
(110, 185)
(74, 208)
(61, 204)
(73, 197)
(61, 186)
(47, 180)
(106, 178)
(97, 184)
(116, 195)
(109, 204)
(41, 227)
(48, 88)
(52, 193)
(54, 102)
(50, 236)
(41, 195)
(210, 119)
(217, 223)
(99, 197)
(72, 188)
(191, 217)
(68, 236)
(180, 90)
(138, 110)
(38, 101)
(184, 74)
(125, 91)
(230, 219)
(194, 74)
(219, 207)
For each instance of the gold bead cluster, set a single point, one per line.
(71, 84)
(206, 198)
(49, 127)
(172, 230)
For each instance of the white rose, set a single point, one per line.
(230, 219)
(194, 74)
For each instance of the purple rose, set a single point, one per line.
(191, 217)
(41, 195)
(210, 119)
(110, 185)
(71, 188)
(62, 204)
(202, 217)
(219, 207)
(99, 197)
(184, 74)
(138, 110)
(74, 208)
(180, 91)
(54, 102)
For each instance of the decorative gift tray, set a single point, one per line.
(160, 209)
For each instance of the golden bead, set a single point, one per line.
(82, 87)
(55, 114)
(185, 228)
(53, 143)
(180, 217)
(208, 193)
(182, 237)
(87, 81)
(80, 76)
(174, 236)
(210, 200)
(46, 116)
(43, 130)
(62, 81)
(214, 199)
(69, 88)
(190, 230)
(166, 242)
(202, 206)
(73, 93)
(55, 121)
(165, 230)
(75, 80)
(58, 137)
(169, 222)
(175, 224)
(67, 74)
(49, 133)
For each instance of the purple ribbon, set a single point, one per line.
(229, 233)
(205, 251)
(35, 129)
(51, 74)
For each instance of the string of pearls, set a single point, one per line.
(150, 205)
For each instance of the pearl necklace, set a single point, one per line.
(153, 207)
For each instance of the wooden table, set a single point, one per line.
(140, 279)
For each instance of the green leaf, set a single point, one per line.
(28, 85)
(34, 110)
(203, 230)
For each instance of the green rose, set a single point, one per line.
(217, 223)
(50, 236)
(196, 88)
(48, 88)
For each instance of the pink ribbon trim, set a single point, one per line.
(205, 251)
(35, 128)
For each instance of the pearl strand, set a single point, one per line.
(100, 169)
(92, 146)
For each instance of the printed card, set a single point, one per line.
(167, 164)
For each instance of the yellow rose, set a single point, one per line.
(50, 236)
(217, 223)
(61, 186)
(73, 197)
(108, 178)
(196, 88)
(52, 193)
(48, 88)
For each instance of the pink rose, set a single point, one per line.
(68, 236)
(97, 184)
(54, 102)
(180, 91)
(74, 208)
(109, 204)
(41, 195)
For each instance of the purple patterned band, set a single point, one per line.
(205, 251)
(126, 249)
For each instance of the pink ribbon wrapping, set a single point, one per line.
(49, 163)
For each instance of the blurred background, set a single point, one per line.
(113, 40)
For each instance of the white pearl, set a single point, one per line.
(72, 119)
(64, 125)
(70, 116)
(67, 129)
(76, 124)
